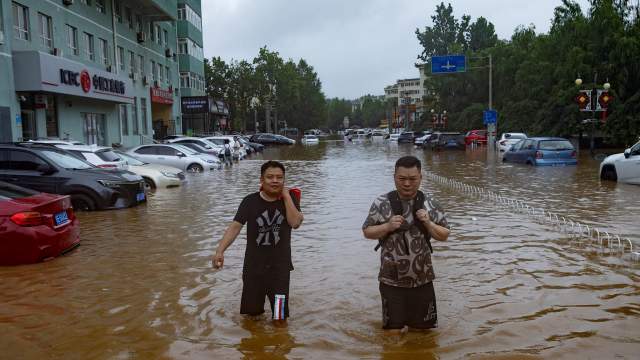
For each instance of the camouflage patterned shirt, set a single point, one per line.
(405, 260)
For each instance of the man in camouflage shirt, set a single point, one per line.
(406, 272)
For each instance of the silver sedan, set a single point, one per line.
(174, 155)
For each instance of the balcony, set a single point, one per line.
(158, 10)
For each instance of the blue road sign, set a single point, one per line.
(448, 64)
(490, 117)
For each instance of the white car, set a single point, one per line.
(420, 141)
(310, 139)
(624, 167)
(394, 137)
(155, 176)
(208, 146)
(176, 156)
(507, 140)
(56, 142)
(100, 156)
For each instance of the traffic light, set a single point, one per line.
(584, 100)
(604, 98)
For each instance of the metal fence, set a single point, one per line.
(580, 232)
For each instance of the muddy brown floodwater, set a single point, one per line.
(141, 284)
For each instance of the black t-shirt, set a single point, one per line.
(268, 234)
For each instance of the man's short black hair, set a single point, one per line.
(271, 164)
(409, 162)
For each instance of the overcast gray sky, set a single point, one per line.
(357, 47)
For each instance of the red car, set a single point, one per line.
(479, 136)
(35, 226)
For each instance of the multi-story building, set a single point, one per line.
(191, 61)
(409, 94)
(98, 71)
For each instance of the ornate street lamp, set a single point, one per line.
(594, 100)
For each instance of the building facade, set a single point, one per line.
(99, 71)
(191, 62)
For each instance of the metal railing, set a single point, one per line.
(580, 232)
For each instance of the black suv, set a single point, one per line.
(48, 169)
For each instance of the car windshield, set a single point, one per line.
(107, 155)
(66, 161)
(516, 136)
(556, 145)
(130, 159)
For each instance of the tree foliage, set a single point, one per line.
(534, 74)
(295, 91)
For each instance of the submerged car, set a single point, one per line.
(174, 155)
(476, 136)
(51, 170)
(155, 176)
(310, 139)
(35, 226)
(541, 151)
(445, 140)
(100, 156)
(507, 140)
(623, 167)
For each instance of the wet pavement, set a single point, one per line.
(141, 284)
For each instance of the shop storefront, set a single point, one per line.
(161, 112)
(195, 115)
(66, 99)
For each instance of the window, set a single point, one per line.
(124, 121)
(46, 30)
(117, 7)
(168, 74)
(20, 22)
(141, 65)
(121, 57)
(103, 46)
(139, 24)
(72, 39)
(147, 150)
(154, 71)
(151, 32)
(100, 6)
(165, 34)
(192, 81)
(22, 160)
(134, 111)
(88, 47)
(134, 122)
(158, 35)
(188, 46)
(167, 151)
(184, 80)
(132, 62)
(129, 14)
(187, 13)
(160, 73)
(86, 2)
(143, 111)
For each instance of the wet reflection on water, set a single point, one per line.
(141, 284)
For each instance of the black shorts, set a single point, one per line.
(269, 284)
(413, 307)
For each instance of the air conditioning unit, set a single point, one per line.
(145, 80)
(67, 2)
(167, 52)
(142, 36)
(1, 37)
(56, 52)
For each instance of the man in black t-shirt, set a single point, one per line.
(270, 215)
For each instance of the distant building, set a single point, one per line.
(97, 71)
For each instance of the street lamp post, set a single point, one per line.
(255, 103)
(593, 100)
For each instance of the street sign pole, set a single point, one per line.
(491, 127)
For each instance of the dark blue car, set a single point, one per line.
(542, 151)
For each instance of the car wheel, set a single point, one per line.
(82, 202)
(609, 173)
(149, 184)
(195, 168)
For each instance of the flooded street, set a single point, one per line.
(141, 285)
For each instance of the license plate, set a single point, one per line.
(140, 197)
(61, 218)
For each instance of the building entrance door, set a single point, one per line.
(94, 129)
(29, 129)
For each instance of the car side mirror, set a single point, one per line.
(46, 169)
(180, 154)
(627, 153)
